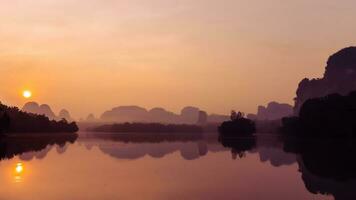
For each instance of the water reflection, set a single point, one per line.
(327, 166)
(30, 146)
(27, 147)
(135, 146)
(239, 146)
(305, 169)
(270, 149)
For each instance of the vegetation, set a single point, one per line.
(332, 116)
(237, 126)
(148, 128)
(13, 120)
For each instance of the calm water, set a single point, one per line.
(109, 167)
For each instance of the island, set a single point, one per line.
(237, 126)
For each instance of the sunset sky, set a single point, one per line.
(91, 55)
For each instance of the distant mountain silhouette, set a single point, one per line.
(126, 114)
(91, 118)
(44, 109)
(202, 118)
(13, 120)
(188, 115)
(64, 114)
(215, 118)
(273, 111)
(339, 77)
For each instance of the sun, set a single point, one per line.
(19, 168)
(27, 94)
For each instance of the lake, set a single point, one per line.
(105, 167)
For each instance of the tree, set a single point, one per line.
(4, 122)
(233, 115)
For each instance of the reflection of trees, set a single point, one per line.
(238, 145)
(13, 146)
(327, 167)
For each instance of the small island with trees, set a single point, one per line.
(237, 126)
(13, 120)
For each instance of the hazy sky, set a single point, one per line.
(91, 55)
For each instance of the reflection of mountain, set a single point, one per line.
(33, 146)
(327, 167)
(339, 77)
(270, 149)
(188, 115)
(131, 146)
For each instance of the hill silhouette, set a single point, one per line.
(332, 116)
(272, 111)
(339, 77)
(64, 114)
(44, 109)
(14, 120)
(188, 115)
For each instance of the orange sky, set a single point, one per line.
(91, 55)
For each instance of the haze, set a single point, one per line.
(91, 55)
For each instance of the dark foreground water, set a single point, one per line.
(109, 167)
